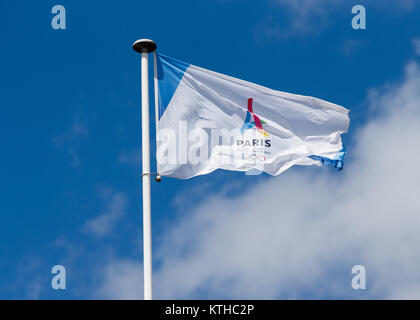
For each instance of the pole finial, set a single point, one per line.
(144, 45)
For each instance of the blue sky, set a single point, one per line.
(70, 191)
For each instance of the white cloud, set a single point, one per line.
(123, 280)
(70, 139)
(311, 17)
(304, 17)
(299, 234)
(115, 204)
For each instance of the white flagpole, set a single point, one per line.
(144, 46)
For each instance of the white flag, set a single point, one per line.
(210, 121)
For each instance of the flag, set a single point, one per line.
(210, 121)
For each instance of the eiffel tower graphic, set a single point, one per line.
(257, 123)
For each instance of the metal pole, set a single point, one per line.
(144, 46)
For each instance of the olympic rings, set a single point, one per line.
(253, 157)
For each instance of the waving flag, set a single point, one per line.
(210, 121)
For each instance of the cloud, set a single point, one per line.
(31, 279)
(122, 280)
(115, 205)
(91, 262)
(303, 17)
(311, 17)
(70, 139)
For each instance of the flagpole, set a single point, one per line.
(145, 46)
